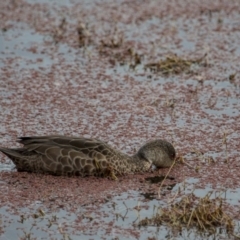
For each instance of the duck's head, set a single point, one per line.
(160, 152)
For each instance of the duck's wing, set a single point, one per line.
(73, 142)
(84, 145)
(60, 155)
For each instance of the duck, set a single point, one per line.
(79, 156)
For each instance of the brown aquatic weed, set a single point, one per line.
(84, 35)
(114, 39)
(59, 31)
(173, 65)
(205, 214)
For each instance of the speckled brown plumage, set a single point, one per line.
(59, 155)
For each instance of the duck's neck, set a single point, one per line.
(136, 164)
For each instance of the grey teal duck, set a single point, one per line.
(60, 155)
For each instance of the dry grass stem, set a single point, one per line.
(204, 214)
(165, 178)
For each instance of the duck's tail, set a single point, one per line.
(13, 154)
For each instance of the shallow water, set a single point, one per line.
(116, 218)
(47, 88)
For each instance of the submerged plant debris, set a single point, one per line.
(206, 214)
(174, 65)
(157, 179)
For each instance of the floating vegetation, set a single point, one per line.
(205, 214)
(113, 40)
(119, 50)
(59, 31)
(40, 213)
(84, 35)
(157, 179)
(173, 65)
(122, 56)
(149, 195)
(232, 77)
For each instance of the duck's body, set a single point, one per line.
(59, 155)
